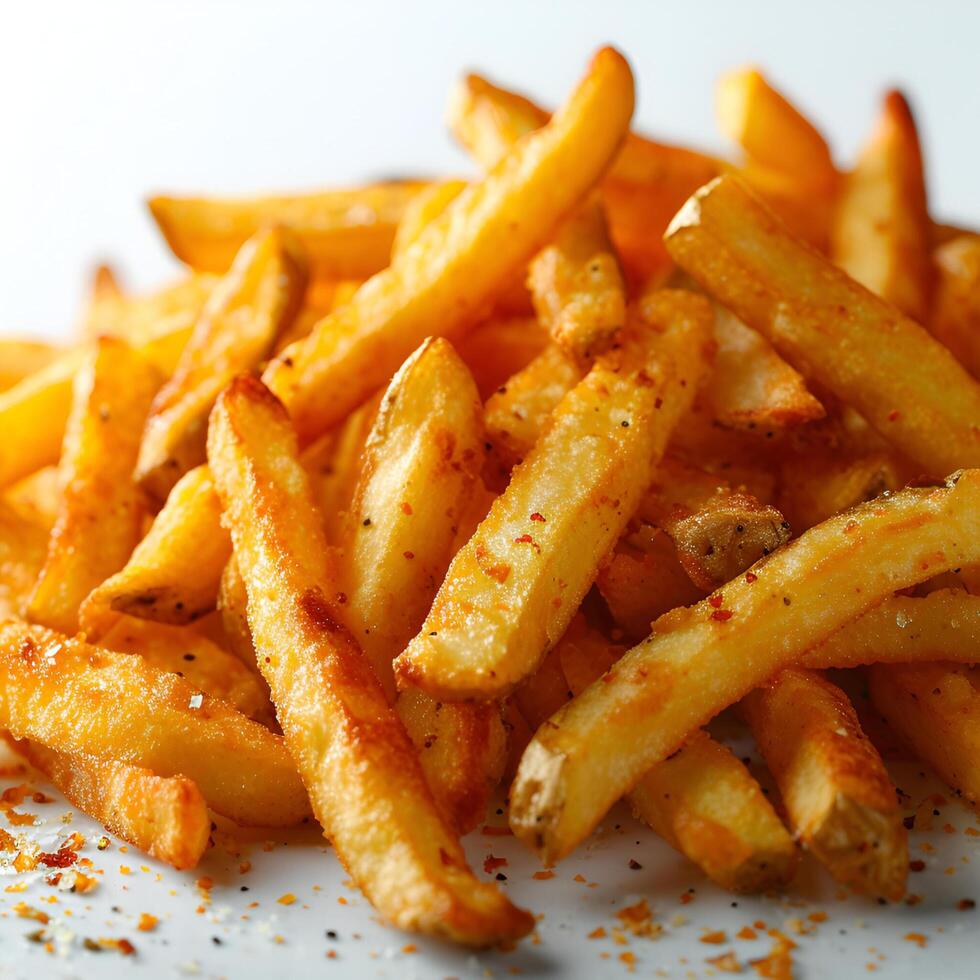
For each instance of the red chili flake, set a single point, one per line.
(62, 858)
(751, 577)
(524, 539)
(409, 555)
(342, 598)
(491, 863)
(722, 615)
(597, 933)
(917, 865)
(716, 600)
(543, 875)
(491, 831)
(406, 507)
(537, 517)
(894, 415)
(966, 904)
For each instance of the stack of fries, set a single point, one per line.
(406, 489)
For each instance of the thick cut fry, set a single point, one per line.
(955, 319)
(451, 272)
(80, 699)
(512, 590)
(908, 386)
(21, 358)
(597, 747)
(23, 547)
(166, 817)
(881, 232)
(101, 513)
(421, 210)
(501, 347)
(174, 572)
(839, 800)
(347, 234)
(203, 664)
(935, 709)
(772, 132)
(577, 285)
(232, 605)
(357, 762)
(518, 411)
(238, 326)
(701, 800)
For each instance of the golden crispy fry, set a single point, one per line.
(701, 799)
(23, 547)
(166, 817)
(643, 578)
(935, 708)
(955, 318)
(37, 497)
(903, 382)
(203, 664)
(772, 132)
(881, 232)
(22, 358)
(444, 280)
(546, 690)
(174, 572)
(421, 210)
(238, 326)
(751, 386)
(232, 605)
(512, 590)
(347, 234)
(944, 625)
(80, 699)
(499, 348)
(101, 514)
(839, 800)
(597, 747)
(577, 285)
(518, 411)
(358, 764)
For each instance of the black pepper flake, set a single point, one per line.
(331, 934)
(244, 888)
(909, 822)
(366, 522)
(216, 940)
(787, 600)
(501, 876)
(189, 656)
(966, 904)
(635, 865)
(625, 424)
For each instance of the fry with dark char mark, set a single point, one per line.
(357, 762)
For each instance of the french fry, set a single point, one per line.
(203, 664)
(347, 234)
(499, 348)
(21, 358)
(82, 700)
(839, 800)
(546, 690)
(955, 317)
(174, 572)
(701, 800)
(355, 758)
(166, 817)
(232, 605)
(105, 309)
(881, 232)
(935, 709)
(597, 747)
(23, 547)
(453, 269)
(512, 590)
(577, 285)
(421, 210)
(254, 302)
(101, 514)
(905, 384)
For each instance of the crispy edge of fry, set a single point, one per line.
(887, 367)
(955, 317)
(248, 309)
(174, 572)
(77, 698)
(839, 799)
(513, 588)
(164, 816)
(577, 285)
(21, 358)
(101, 513)
(684, 674)
(359, 766)
(427, 205)
(347, 233)
(881, 234)
(935, 709)
(461, 257)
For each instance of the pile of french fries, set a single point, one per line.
(407, 489)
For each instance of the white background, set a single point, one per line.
(103, 103)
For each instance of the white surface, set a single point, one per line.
(104, 103)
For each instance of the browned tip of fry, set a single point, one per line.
(896, 104)
(249, 388)
(105, 283)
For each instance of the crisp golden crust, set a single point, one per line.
(358, 765)
(101, 513)
(839, 799)
(460, 259)
(166, 817)
(513, 588)
(597, 747)
(80, 699)
(347, 233)
(907, 386)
